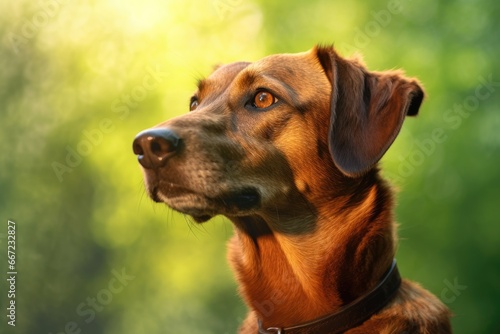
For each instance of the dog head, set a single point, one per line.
(289, 128)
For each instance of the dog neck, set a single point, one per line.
(342, 252)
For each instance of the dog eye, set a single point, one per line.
(263, 99)
(193, 104)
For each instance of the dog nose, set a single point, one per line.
(154, 147)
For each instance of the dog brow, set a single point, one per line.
(201, 83)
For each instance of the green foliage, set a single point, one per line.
(79, 80)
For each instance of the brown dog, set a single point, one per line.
(287, 148)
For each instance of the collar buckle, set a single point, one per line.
(270, 330)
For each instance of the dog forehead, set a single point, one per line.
(284, 64)
(299, 74)
(294, 72)
(285, 59)
(221, 77)
(227, 72)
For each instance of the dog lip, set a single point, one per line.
(242, 199)
(202, 206)
(165, 191)
(171, 189)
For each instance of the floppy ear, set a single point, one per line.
(367, 110)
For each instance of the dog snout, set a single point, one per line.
(154, 147)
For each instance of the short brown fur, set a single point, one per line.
(322, 233)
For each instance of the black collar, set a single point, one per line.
(350, 315)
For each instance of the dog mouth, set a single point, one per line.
(203, 207)
(244, 199)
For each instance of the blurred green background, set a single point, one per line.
(79, 79)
